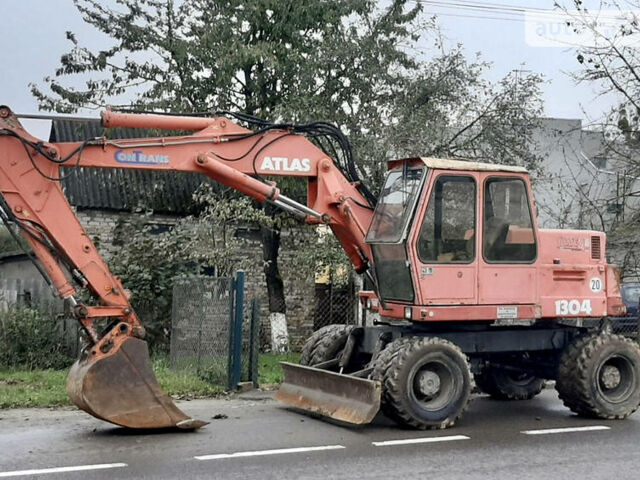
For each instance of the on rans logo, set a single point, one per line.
(139, 158)
(285, 164)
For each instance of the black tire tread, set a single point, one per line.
(573, 384)
(331, 338)
(393, 391)
(565, 382)
(380, 367)
(310, 345)
(488, 384)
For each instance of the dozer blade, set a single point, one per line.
(342, 397)
(121, 388)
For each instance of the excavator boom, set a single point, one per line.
(113, 380)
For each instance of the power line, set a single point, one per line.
(503, 9)
(597, 13)
(504, 5)
(474, 7)
(483, 17)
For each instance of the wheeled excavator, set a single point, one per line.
(465, 288)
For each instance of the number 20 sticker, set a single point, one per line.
(595, 284)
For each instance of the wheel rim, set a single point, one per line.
(433, 384)
(616, 379)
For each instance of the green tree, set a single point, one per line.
(7, 242)
(353, 62)
(449, 109)
(291, 59)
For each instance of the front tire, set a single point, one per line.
(599, 376)
(325, 344)
(426, 383)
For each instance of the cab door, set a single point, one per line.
(444, 240)
(507, 269)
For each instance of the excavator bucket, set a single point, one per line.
(342, 397)
(121, 388)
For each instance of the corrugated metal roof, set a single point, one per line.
(12, 255)
(120, 189)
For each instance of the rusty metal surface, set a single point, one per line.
(122, 389)
(341, 397)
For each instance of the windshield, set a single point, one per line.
(396, 202)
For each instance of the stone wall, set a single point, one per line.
(101, 225)
(299, 288)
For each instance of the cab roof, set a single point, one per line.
(450, 164)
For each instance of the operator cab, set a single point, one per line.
(424, 233)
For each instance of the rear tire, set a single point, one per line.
(426, 382)
(380, 366)
(506, 385)
(325, 344)
(310, 345)
(599, 376)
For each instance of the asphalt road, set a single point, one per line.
(261, 439)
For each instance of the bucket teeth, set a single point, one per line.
(121, 388)
(342, 397)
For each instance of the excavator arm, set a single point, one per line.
(112, 379)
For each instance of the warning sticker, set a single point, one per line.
(507, 312)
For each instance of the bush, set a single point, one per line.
(29, 338)
(7, 242)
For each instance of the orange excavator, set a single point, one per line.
(465, 285)
(113, 379)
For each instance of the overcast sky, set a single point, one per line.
(37, 32)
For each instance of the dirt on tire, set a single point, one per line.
(580, 383)
(394, 368)
(324, 344)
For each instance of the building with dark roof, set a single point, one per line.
(120, 189)
(102, 199)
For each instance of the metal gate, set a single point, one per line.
(214, 330)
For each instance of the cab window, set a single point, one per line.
(395, 205)
(447, 234)
(508, 234)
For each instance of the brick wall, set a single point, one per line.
(299, 288)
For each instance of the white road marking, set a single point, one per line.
(548, 431)
(409, 441)
(78, 468)
(257, 453)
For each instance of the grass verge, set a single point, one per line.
(269, 369)
(37, 388)
(46, 388)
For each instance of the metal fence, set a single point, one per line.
(628, 326)
(214, 330)
(335, 304)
